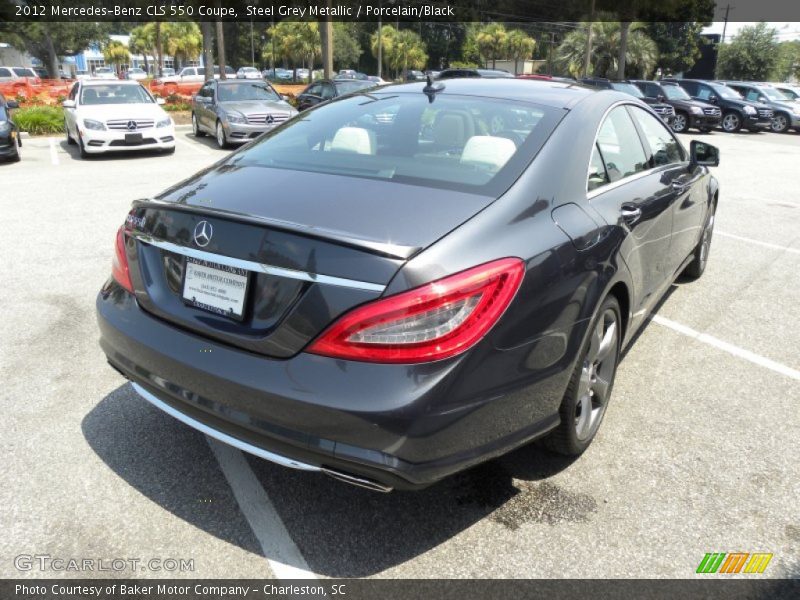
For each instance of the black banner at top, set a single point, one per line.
(395, 10)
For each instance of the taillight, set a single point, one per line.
(431, 322)
(119, 265)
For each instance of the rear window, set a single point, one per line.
(470, 144)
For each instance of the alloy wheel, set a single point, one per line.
(220, 136)
(731, 122)
(597, 375)
(194, 125)
(780, 123)
(679, 124)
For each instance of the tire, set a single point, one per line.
(731, 122)
(697, 267)
(81, 148)
(680, 123)
(18, 154)
(70, 141)
(222, 141)
(586, 398)
(780, 123)
(196, 131)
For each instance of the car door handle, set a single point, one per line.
(678, 186)
(631, 214)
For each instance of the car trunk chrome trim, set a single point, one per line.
(257, 267)
(222, 437)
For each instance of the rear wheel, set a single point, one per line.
(589, 389)
(222, 141)
(780, 123)
(698, 265)
(681, 122)
(731, 122)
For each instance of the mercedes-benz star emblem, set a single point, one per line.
(202, 233)
(270, 118)
(131, 125)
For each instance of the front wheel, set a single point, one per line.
(70, 141)
(698, 265)
(222, 141)
(18, 154)
(731, 122)
(81, 147)
(681, 123)
(589, 389)
(196, 132)
(780, 123)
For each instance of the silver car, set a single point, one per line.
(236, 111)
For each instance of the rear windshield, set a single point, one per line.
(470, 144)
(115, 93)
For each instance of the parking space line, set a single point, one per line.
(196, 147)
(281, 552)
(726, 347)
(53, 152)
(757, 242)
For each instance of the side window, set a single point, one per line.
(620, 145)
(664, 148)
(653, 91)
(206, 91)
(597, 171)
(5, 72)
(327, 91)
(315, 90)
(690, 87)
(752, 95)
(704, 93)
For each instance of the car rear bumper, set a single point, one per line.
(396, 426)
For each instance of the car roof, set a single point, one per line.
(90, 82)
(547, 93)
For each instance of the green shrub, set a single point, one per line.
(177, 107)
(39, 120)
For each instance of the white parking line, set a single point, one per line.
(53, 152)
(198, 147)
(726, 347)
(283, 556)
(757, 242)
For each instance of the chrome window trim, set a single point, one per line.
(219, 435)
(257, 267)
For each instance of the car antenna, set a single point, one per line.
(431, 88)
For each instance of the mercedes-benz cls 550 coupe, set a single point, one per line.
(404, 282)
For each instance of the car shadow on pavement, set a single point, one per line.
(207, 141)
(341, 530)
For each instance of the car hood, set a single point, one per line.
(790, 106)
(122, 111)
(371, 213)
(257, 106)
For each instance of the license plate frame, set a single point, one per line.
(214, 305)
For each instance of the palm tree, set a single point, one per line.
(407, 51)
(492, 40)
(387, 41)
(297, 41)
(641, 53)
(520, 46)
(116, 53)
(184, 40)
(142, 41)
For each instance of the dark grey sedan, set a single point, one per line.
(237, 111)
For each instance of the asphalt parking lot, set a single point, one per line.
(697, 454)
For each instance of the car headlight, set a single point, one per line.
(696, 110)
(750, 110)
(164, 122)
(236, 118)
(92, 124)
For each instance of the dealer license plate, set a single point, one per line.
(216, 288)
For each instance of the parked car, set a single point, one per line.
(377, 80)
(414, 75)
(277, 74)
(424, 299)
(664, 111)
(167, 72)
(325, 89)
(248, 73)
(195, 74)
(477, 73)
(688, 113)
(18, 74)
(785, 112)
(112, 116)
(10, 140)
(736, 111)
(41, 72)
(136, 74)
(104, 73)
(237, 111)
(789, 90)
(82, 74)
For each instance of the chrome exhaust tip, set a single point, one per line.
(358, 481)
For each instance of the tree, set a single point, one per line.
(491, 40)
(751, 56)
(788, 64)
(48, 41)
(142, 41)
(207, 33)
(116, 53)
(407, 52)
(387, 34)
(183, 40)
(641, 56)
(297, 41)
(678, 44)
(520, 47)
(346, 49)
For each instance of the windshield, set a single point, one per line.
(115, 93)
(773, 94)
(726, 92)
(628, 88)
(675, 92)
(240, 92)
(345, 87)
(457, 142)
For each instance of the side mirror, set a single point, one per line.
(68, 104)
(661, 97)
(762, 99)
(160, 101)
(713, 99)
(12, 104)
(703, 154)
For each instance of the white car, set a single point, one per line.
(248, 73)
(136, 74)
(189, 74)
(79, 74)
(104, 73)
(105, 116)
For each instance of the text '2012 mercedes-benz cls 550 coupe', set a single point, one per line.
(405, 282)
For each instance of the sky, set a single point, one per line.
(787, 31)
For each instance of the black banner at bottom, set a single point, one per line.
(398, 589)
